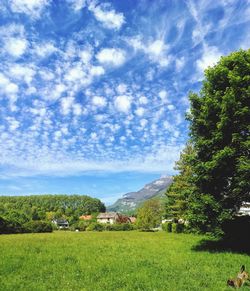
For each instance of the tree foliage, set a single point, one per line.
(149, 214)
(180, 190)
(19, 211)
(220, 133)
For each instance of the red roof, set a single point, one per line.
(85, 217)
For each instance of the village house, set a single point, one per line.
(112, 217)
(132, 219)
(245, 209)
(61, 223)
(85, 217)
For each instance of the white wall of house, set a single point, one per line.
(106, 220)
(244, 211)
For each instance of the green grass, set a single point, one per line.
(113, 261)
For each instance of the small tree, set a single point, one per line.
(149, 214)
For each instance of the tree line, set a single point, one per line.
(22, 213)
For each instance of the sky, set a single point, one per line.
(93, 94)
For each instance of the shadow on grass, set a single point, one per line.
(236, 245)
(236, 238)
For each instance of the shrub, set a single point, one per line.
(7, 226)
(95, 226)
(119, 227)
(81, 225)
(177, 227)
(37, 226)
(128, 226)
(167, 226)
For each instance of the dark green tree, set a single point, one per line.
(220, 132)
(180, 190)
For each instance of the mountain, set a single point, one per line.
(130, 201)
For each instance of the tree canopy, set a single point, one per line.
(220, 132)
(149, 214)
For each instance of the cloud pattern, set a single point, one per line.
(102, 86)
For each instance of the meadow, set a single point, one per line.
(114, 261)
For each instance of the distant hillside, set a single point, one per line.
(131, 201)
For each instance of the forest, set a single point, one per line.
(22, 213)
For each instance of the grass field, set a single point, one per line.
(113, 261)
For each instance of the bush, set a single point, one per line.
(37, 226)
(95, 226)
(7, 226)
(119, 227)
(80, 225)
(177, 227)
(167, 226)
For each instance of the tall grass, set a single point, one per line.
(113, 261)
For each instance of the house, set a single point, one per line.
(245, 209)
(132, 219)
(108, 217)
(61, 223)
(112, 217)
(85, 217)
(164, 220)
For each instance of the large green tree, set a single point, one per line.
(180, 190)
(220, 131)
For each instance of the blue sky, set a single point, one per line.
(93, 94)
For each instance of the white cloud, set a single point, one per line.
(210, 57)
(33, 8)
(57, 134)
(6, 86)
(57, 92)
(3, 80)
(140, 111)
(167, 125)
(143, 122)
(97, 71)
(99, 101)
(46, 75)
(143, 100)
(77, 109)
(111, 56)
(13, 123)
(16, 46)
(44, 50)
(74, 74)
(66, 105)
(163, 95)
(171, 107)
(38, 111)
(86, 55)
(20, 72)
(179, 64)
(122, 103)
(11, 88)
(93, 136)
(157, 50)
(121, 88)
(77, 4)
(107, 16)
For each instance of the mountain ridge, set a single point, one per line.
(129, 202)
